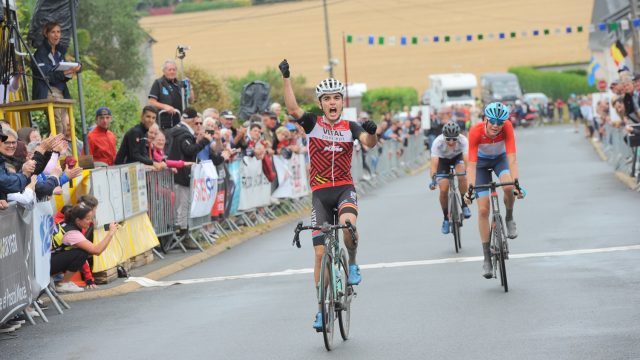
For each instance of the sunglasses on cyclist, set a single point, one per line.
(496, 121)
(454, 139)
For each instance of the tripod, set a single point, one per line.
(10, 52)
(184, 86)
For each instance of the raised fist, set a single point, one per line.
(284, 68)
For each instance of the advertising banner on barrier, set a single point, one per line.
(233, 187)
(41, 247)
(218, 204)
(256, 188)
(292, 177)
(204, 184)
(15, 289)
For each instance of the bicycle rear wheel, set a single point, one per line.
(344, 292)
(500, 239)
(327, 306)
(454, 220)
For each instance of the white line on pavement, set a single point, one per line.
(152, 283)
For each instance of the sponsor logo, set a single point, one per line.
(333, 148)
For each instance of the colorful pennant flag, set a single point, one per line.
(593, 67)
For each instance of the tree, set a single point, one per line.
(115, 37)
(210, 91)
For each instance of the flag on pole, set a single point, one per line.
(618, 53)
(593, 67)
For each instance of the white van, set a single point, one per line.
(451, 89)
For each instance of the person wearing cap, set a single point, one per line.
(237, 135)
(134, 147)
(188, 141)
(270, 124)
(102, 142)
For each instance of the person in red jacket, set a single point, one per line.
(102, 142)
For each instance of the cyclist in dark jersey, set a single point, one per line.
(330, 142)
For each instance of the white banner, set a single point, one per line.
(43, 227)
(292, 177)
(256, 188)
(204, 187)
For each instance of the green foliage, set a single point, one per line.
(378, 101)
(581, 72)
(185, 7)
(273, 77)
(210, 91)
(552, 84)
(115, 37)
(97, 92)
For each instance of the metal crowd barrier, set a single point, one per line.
(619, 154)
(161, 201)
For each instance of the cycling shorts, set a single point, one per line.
(499, 165)
(323, 201)
(444, 163)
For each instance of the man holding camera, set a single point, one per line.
(188, 141)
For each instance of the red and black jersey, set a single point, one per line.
(330, 150)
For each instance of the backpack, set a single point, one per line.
(56, 238)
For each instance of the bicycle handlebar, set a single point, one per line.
(493, 185)
(325, 228)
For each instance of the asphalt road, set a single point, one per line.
(562, 303)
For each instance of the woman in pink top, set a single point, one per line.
(76, 248)
(158, 155)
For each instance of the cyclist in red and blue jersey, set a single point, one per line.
(330, 142)
(492, 146)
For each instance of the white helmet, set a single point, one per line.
(330, 86)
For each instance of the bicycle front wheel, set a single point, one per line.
(327, 306)
(455, 221)
(344, 292)
(500, 240)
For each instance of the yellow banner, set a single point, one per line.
(135, 237)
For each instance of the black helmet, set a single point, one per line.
(451, 129)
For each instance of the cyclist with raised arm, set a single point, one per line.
(330, 143)
(492, 147)
(449, 148)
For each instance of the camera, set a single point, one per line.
(181, 51)
(286, 153)
(106, 226)
(210, 132)
(250, 152)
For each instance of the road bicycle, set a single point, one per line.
(455, 208)
(335, 294)
(498, 238)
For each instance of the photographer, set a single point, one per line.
(216, 151)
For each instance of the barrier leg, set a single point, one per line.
(157, 253)
(39, 310)
(26, 314)
(55, 303)
(196, 242)
(221, 229)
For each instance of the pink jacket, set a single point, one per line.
(158, 156)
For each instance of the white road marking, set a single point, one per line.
(152, 283)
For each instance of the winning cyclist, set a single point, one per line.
(492, 146)
(449, 148)
(330, 142)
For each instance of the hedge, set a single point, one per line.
(378, 101)
(553, 84)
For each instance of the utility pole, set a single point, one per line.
(633, 5)
(326, 31)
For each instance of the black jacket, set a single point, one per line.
(10, 182)
(184, 147)
(56, 78)
(134, 147)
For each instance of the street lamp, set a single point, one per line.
(329, 66)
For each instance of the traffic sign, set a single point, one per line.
(602, 85)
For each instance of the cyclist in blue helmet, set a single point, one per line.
(492, 147)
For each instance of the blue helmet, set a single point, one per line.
(497, 111)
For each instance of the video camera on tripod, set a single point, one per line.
(180, 51)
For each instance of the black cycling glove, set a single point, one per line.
(370, 127)
(284, 68)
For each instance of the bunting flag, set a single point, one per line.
(405, 40)
(593, 67)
